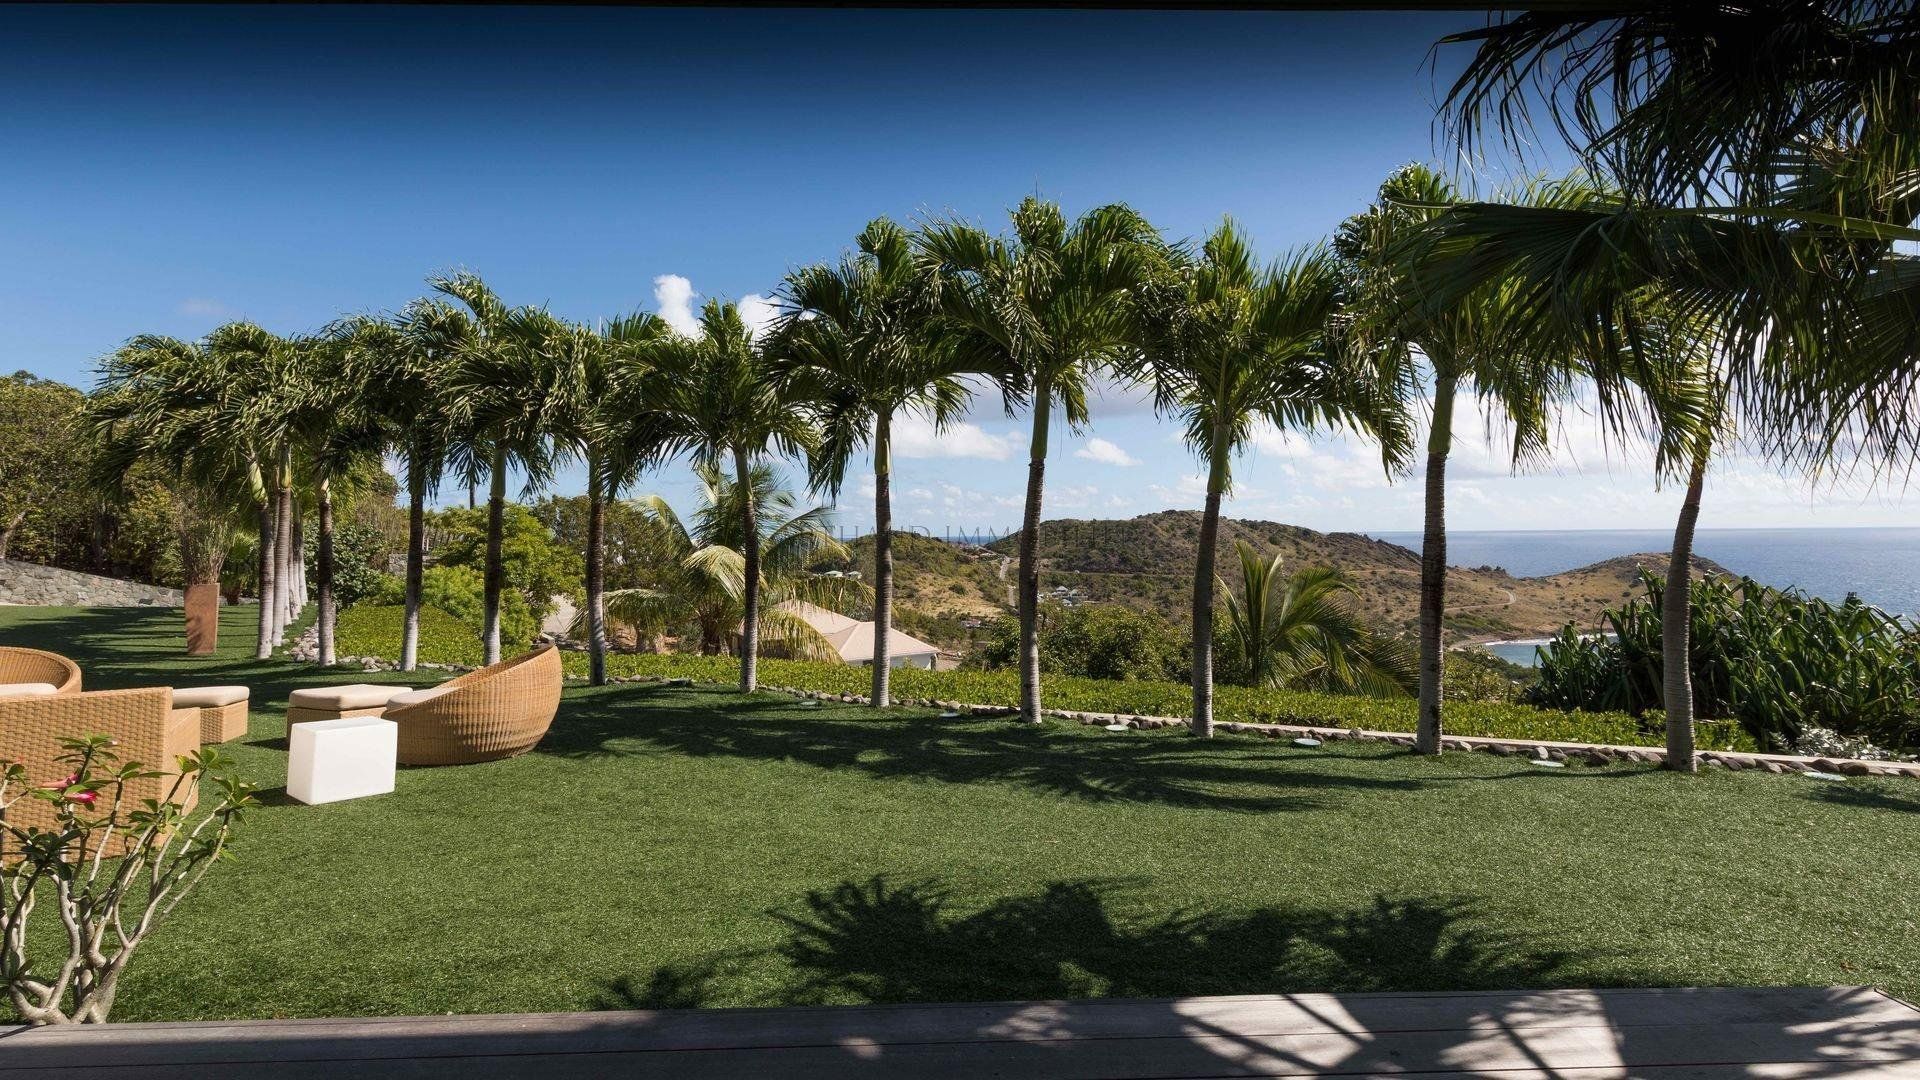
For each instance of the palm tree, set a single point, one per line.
(1466, 340)
(613, 426)
(166, 400)
(404, 364)
(1052, 304)
(507, 394)
(1227, 346)
(727, 405)
(698, 574)
(854, 344)
(1302, 631)
(342, 434)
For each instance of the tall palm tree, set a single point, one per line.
(404, 364)
(854, 343)
(342, 433)
(613, 425)
(1302, 631)
(726, 404)
(698, 576)
(507, 394)
(1463, 344)
(1051, 304)
(1228, 345)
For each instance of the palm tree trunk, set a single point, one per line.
(596, 579)
(263, 645)
(1203, 575)
(1676, 622)
(496, 570)
(323, 569)
(750, 550)
(283, 574)
(416, 565)
(299, 563)
(1433, 570)
(882, 560)
(1030, 557)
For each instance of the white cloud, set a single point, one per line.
(202, 308)
(1106, 453)
(758, 312)
(673, 295)
(914, 437)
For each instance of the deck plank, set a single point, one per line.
(1790, 1033)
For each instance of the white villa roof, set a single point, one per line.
(852, 638)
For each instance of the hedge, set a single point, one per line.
(1149, 698)
(375, 630)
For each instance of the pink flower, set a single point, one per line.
(85, 798)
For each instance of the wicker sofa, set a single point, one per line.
(495, 712)
(143, 723)
(31, 671)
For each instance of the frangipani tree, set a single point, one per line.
(1053, 304)
(855, 344)
(1229, 345)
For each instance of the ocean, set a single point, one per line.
(1880, 565)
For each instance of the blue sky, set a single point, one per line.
(168, 169)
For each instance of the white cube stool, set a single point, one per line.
(349, 758)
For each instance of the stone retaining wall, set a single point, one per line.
(45, 586)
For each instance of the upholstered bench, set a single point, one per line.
(223, 710)
(336, 702)
(28, 689)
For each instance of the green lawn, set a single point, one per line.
(695, 847)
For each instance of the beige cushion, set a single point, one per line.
(415, 697)
(28, 689)
(349, 696)
(208, 697)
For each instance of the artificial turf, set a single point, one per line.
(691, 846)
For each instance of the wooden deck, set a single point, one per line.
(1574, 1034)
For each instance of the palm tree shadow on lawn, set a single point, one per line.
(1166, 769)
(882, 940)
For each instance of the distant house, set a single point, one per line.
(852, 638)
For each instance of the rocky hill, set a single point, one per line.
(1147, 562)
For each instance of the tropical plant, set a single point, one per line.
(1300, 631)
(1780, 663)
(613, 425)
(1095, 641)
(699, 586)
(1466, 341)
(1051, 304)
(507, 394)
(111, 870)
(42, 436)
(533, 566)
(726, 404)
(854, 344)
(1229, 346)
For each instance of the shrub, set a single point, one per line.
(1098, 641)
(1145, 697)
(537, 567)
(460, 591)
(106, 906)
(369, 629)
(358, 553)
(1777, 662)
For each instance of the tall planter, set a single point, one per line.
(203, 618)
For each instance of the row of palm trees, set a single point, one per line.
(1677, 320)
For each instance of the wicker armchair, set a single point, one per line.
(28, 666)
(144, 723)
(496, 712)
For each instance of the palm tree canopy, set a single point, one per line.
(856, 342)
(699, 572)
(725, 396)
(1302, 631)
(1227, 344)
(1051, 303)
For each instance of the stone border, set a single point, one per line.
(1587, 753)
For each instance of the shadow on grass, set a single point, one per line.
(1868, 798)
(1149, 768)
(887, 941)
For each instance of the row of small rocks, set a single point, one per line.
(307, 650)
(1585, 753)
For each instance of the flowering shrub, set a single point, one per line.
(111, 871)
